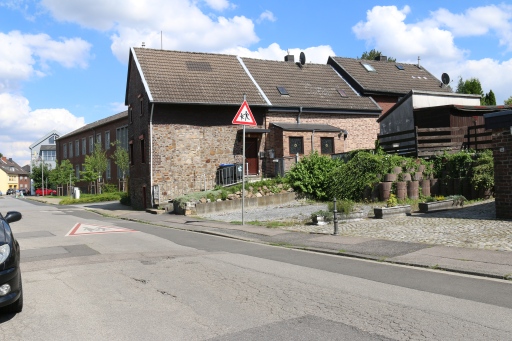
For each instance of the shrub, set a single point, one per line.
(483, 171)
(125, 199)
(349, 180)
(344, 206)
(310, 176)
(109, 188)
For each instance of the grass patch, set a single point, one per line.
(91, 198)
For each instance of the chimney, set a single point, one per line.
(10, 159)
(381, 58)
(289, 58)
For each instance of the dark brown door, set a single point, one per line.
(251, 155)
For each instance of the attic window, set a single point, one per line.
(368, 67)
(282, 90)
(342, 93)
(199, 66)
(399, 67)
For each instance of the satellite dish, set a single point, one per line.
(445, 78)
(302, 58)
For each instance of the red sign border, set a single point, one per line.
(245, 104)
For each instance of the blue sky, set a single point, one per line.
(63, 63)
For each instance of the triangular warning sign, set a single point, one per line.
(81, 228)
(244, 115)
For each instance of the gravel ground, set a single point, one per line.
(293, 211)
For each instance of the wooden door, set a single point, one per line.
(251, 155)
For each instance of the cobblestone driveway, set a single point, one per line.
(473, 226)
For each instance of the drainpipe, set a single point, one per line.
(298, 116)
(313, 141)
(151, 152)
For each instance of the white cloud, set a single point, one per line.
(386, 30)
(218, 5)
(317, 54)
(24, 56)
(172, 24)
(24, 126)
(267, 15)
(477, 22)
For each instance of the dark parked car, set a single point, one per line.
(25, 191)
(11, 291)
(10, 191)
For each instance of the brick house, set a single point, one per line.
(386, 82)
(181, 105)
(74, 146)
(501, 125)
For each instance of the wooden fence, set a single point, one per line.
(427, 142)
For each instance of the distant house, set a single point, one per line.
(181, 106)
(74, 146)
(385, 81)
(44, 150)
(12, 176)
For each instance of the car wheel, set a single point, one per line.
(17, 306)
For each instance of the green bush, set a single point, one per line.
(343, 206)
(483, 171)
(90, 198)
(349, 180)
(109, 188)
(125, 199)
(310, 176)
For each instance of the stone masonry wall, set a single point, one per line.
(501, 138)
(362, 129)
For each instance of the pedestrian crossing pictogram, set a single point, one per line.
(82, 228)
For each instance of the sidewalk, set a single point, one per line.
(434, 240)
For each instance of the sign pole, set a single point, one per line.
(244, 116)
(243, 171)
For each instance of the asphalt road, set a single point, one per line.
(151, 283)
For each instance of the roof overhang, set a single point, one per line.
(500, 119)
(308, 127)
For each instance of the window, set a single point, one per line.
(131, 153)
(77, 148)
(107, 140)
(98, 138)
(84, 146)
(296, 145)
(77, 171)
(91, 144)
(65, 151)
(142, 155)
(327, 145)
(368, 67)
(48, 155)
(282, 90)
(122, 137)
(70, 150)
(399, 67)
(109, 165)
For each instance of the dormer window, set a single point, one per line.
(282, 90)
(368, 67)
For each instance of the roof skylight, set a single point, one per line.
(342, 93)
(399, 67)
(368, 67)
(282, 90)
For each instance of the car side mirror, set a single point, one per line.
(12, 216)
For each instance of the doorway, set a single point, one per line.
(251, 155)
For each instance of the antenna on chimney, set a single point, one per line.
(143, 44)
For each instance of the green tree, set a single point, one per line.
(38, 173)
(95, 165)
(374, 54)
(508, 101)
(471, 86)
(489, 98)
(122, 160)
(63, 173)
